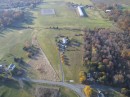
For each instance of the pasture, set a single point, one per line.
(65, 17)
(13, 40)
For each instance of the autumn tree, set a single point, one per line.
(82, 77)
(88, 91)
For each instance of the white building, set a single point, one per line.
(80, 11)
(64, 40)
(108, 10)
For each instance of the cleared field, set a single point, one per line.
(12, 89)
(12, 42)
(66, 17)
(47, 41)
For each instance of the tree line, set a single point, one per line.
(9, 17)
(18, 3)
(118, 14)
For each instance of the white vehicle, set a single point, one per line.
(11, 67)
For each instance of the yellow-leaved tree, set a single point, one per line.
(88, 91)
(82, 77)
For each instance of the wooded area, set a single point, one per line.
(118, 14)
(107, 56)
(9, 17)
(18, 3)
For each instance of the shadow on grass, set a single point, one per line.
(19, 25)
(10, 83)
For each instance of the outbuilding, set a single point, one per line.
(108, 11)
(80, 11)
(65, 41)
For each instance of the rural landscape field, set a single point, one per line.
(64, 48)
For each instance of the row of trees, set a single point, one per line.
(122, 18)
(107, 56)
(7, 18)
(18, 3)
(118, 15)
(31, 50)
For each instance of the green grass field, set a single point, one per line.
(12, 41)
(13, 89)
(68, 17)
(65, 18)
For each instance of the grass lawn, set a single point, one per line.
(12, 89)
(12, 41)
(65, 17)
(47, 40)
(67, 93)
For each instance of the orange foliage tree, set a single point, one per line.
(82, 77)
(88, 91)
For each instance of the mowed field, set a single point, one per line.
(65, 17)
(13, 40)
(13, 89)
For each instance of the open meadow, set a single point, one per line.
(65, 17)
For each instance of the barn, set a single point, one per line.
(80, 11)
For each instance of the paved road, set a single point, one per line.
(64, 84)
(74, 87)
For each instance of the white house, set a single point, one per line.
(80, 11)
(11, 67)
(108, 10)
(64, 40)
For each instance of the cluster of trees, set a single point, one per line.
(82, 77)
(31, 50)
(88, 91)
(118, 15)
(9, 17)
(107, 56)
(19, 3)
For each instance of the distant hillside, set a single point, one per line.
(109, 2)
(17, 3)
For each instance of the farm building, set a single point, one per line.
(108, 10)
(65, 41)
(80, 11)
